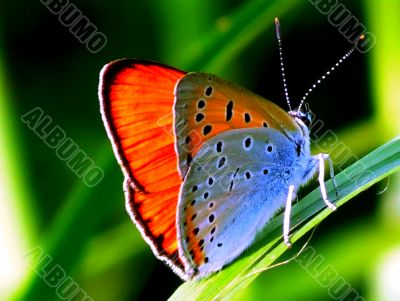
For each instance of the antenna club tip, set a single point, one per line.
(276, 20)
(360, 38)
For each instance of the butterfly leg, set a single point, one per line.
(322, 158)
(332, 174)
(286, 218)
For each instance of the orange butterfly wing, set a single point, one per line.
(207, 105)
(136, 103)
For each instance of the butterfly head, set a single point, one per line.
(303, 120)
(304, 117)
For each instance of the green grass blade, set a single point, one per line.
(358, 177)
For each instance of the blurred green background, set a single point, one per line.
(86, 231)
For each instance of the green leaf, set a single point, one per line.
(307, 213)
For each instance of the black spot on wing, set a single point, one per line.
(247, 118)
(233, 179)
(201, 104)
(219, 146)
(199, 117)
(221, 162)
(229, 110)
(207, 129)
(208, 91)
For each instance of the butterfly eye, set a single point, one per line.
(306, 118)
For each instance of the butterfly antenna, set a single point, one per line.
(327, 73)
(278, 36)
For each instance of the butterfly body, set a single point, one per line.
(206, 162)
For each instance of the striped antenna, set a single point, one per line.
(278, 36)
(327, 73)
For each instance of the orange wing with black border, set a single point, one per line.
(136, 103)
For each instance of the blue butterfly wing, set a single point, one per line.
(235, 184)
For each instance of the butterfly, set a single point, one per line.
(206, 162)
